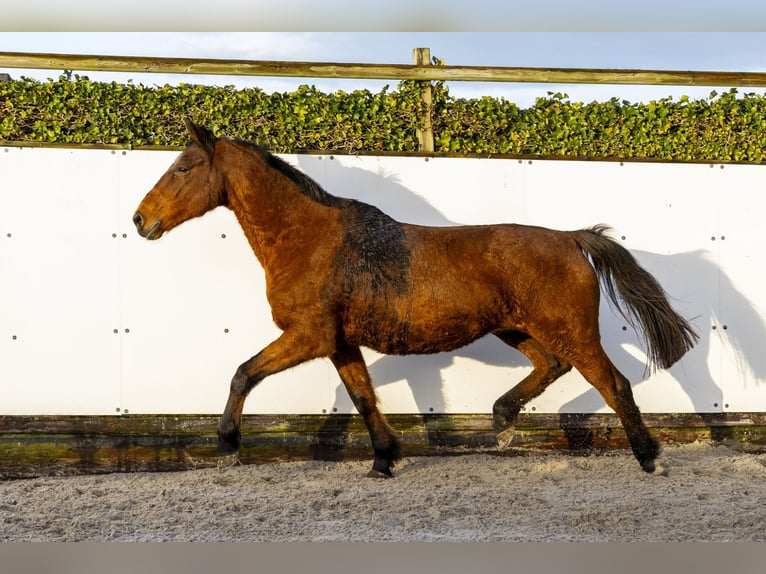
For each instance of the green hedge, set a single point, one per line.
(76, 110)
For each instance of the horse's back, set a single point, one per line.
(487, 251)
(439, 288)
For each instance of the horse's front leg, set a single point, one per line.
(353, 372)
(285, 352)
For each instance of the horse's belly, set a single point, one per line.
(435, 312)
(411, 335)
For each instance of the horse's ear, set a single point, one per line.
(202, 136)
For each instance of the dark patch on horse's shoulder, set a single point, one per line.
(372, 272)
(372, 260)
(373, 251)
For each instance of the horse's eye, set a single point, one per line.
(183, 169)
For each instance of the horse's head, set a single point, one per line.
(191, 187)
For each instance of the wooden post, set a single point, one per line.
(422, 57)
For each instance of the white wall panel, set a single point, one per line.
(740, 320)
(189, 308)
(58, 280)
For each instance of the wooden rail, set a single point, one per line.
(55, 445)
(377, 71)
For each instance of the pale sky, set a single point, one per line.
(388, 15)
(700, 51)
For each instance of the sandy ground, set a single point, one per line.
(708, 493)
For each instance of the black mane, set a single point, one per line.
(308, 186)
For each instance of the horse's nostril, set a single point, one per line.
(138, 220)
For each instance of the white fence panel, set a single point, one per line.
(740, 327)
(96, 320)
(59, 272)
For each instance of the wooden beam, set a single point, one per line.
(425, 133)
(48, 445)
(377, 71)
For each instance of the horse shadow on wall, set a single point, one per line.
(423, 374)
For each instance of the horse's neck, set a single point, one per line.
(276, 217)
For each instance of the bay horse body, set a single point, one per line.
(341, 274)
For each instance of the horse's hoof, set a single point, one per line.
(227, 447)
(374, 473)
(650, 467)
(505, 438)
(660, 470)
(654, 469)
(500, 422)
(229, 460)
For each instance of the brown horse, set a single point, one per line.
(340, 274)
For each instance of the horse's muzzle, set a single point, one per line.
(151, 232)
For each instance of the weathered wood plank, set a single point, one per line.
(51, 445)
(425, 133)
(81, 62)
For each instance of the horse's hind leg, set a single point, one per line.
(615, 389)
(546, 368)
(353, 372)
